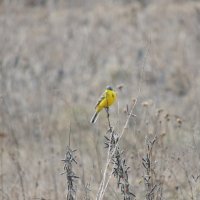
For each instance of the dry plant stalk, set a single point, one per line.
(70, 158)
(119, 167)
(20, 174)
(147, 162)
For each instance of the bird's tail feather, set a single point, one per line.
(94, 117)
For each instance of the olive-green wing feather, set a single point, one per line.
(103, 96)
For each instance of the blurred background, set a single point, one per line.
(57, 57)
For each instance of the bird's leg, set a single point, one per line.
(107, 111)
(108, 117)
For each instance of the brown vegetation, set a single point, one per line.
(56, 57)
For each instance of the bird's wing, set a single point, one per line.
(103, 96)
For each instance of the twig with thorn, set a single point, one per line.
(119, 168)
(70, 158)
(148, 167)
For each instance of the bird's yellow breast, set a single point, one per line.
(108, 99)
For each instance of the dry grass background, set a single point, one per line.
(56, 57)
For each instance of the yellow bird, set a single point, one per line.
(105, 101)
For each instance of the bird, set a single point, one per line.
(106, 100)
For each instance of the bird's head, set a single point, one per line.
(109, 88)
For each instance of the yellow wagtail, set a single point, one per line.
(105, 101)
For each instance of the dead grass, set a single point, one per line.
(55, 60)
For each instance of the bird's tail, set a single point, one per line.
(94, 117)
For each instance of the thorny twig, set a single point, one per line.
(120, 169)
(70, 158)
(147, 164)
(111, 152)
